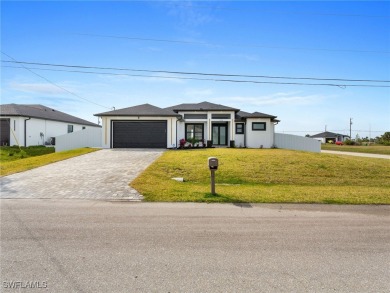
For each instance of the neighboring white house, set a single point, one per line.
(327, 136)
(149, 126)
(27, 125)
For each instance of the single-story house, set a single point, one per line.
(327, 136)
(27, 125)
(148, 126)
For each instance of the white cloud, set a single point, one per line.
(237, 56)
(277, 99)
(39, 88)
(144, 77)
(198, 92)
(188, 14)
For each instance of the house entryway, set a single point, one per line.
(219, 134)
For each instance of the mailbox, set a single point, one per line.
(213, 163)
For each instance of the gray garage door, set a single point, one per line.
(145, 134)
(4, 132)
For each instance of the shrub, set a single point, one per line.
(349, 142)
(182, 143)
(385, 138)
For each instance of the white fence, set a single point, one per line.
(295, 142)
(91, 137)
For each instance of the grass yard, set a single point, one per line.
(259, 176)
(372, 149)
(23, 164)
(13, 153)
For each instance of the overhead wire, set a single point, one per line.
(231, 45)
(211, 79)
(54, 84)
(198, 73)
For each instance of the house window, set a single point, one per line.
(194, 131)
(70, 128)
(220, 116)
(195, 116)
(239, 128)
(258, 126)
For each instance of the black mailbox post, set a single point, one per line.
(213, 165)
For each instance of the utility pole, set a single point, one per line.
(350, 128)
(369, 133)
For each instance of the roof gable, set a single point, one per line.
(140, 110)
(244, 115)
(41, 112)
(203, 106)
(328, 134)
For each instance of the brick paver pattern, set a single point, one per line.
(104, 174)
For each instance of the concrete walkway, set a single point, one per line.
(357, 154)
(104, 174)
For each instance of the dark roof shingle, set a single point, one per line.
(243, 115)
(204, 106)
(140, 110)
(327, 134)
(42, 112)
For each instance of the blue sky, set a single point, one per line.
(342, 40)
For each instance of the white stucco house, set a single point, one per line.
(27, 125)
(327, 136)
(148, 126)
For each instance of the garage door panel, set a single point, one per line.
(130, 134)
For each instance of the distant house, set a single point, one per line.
(28, 125)
(327, 136)
(148, 126)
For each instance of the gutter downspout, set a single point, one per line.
(245, 133)
(275, 123)
(25, 131)
(177, 120)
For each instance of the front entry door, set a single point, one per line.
(220, 134)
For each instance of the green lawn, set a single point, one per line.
(23, 164)
(372, 149)
(12, 153)
(254, 175)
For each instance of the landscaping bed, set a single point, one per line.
(12, 153)
(24, 164)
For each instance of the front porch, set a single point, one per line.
(210, 133)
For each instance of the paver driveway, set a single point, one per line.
(104, 174)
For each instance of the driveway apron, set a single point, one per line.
(104, 174)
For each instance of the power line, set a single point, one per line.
(211, 79)
(230, 45)
(56, 85)
(198, 73)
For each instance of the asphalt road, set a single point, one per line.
(99, 246)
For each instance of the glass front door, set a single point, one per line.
(219, 134)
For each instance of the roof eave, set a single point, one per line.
(136, 115)
(204, 110)
(49, 119)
